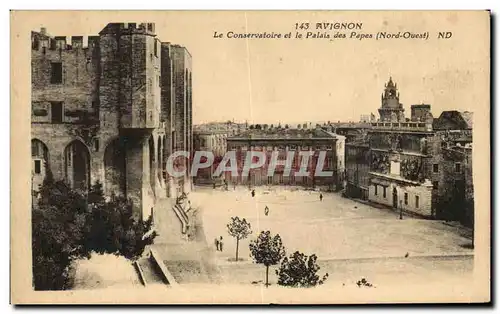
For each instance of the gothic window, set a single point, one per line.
(457, 167)
(435, 168)
(417, 201)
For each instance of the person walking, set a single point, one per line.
(266, 210)
(216, 242)
(253, 193)
(320, 197)
(220, 244)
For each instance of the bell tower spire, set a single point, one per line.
(391, 109)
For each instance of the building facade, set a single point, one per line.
(420, 165)
(453, 193)
(399, 174)
(287, 144)
(357, 159)
(111, 111)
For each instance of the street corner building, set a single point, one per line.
(420, 165)
(287, 144)
(111, 111)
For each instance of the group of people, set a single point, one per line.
(219, 245)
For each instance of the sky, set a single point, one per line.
(302, 80)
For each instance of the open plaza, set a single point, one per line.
(352, 240)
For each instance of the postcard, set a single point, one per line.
(250, 157)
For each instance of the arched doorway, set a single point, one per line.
(114, 167)
(152, 163)
(39, 163)
(77, 166)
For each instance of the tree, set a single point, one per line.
(239, 229)
(272, 126)
(258, 127)
(67, 226)
(298, 126)
(265, 126)
(299, 270)
(113, 228)
(286, 126)
(304, 126)
(267, 250)
(251, 127)
(58, 229)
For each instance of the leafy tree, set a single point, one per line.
(258, 127)
(267, 250)
(239, 229)
(272, 126)
(265, 126)
(113, 227)
(58, 230)
(299, 271)
(251, 127)
(304, 126)
(67, 225)
(299, 126)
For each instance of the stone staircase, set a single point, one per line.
(151, 274)
(188, 261)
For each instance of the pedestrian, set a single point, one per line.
(253, 193)
(216, 242)
(266, 210)
(220, 244)
(320, 197)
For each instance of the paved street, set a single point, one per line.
(352, 240)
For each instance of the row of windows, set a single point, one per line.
(458, 168)
(384, 195)
(290, 147)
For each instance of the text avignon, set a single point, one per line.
(329, 26)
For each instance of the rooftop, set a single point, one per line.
(282, 133)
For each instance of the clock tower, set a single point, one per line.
(391, 109)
